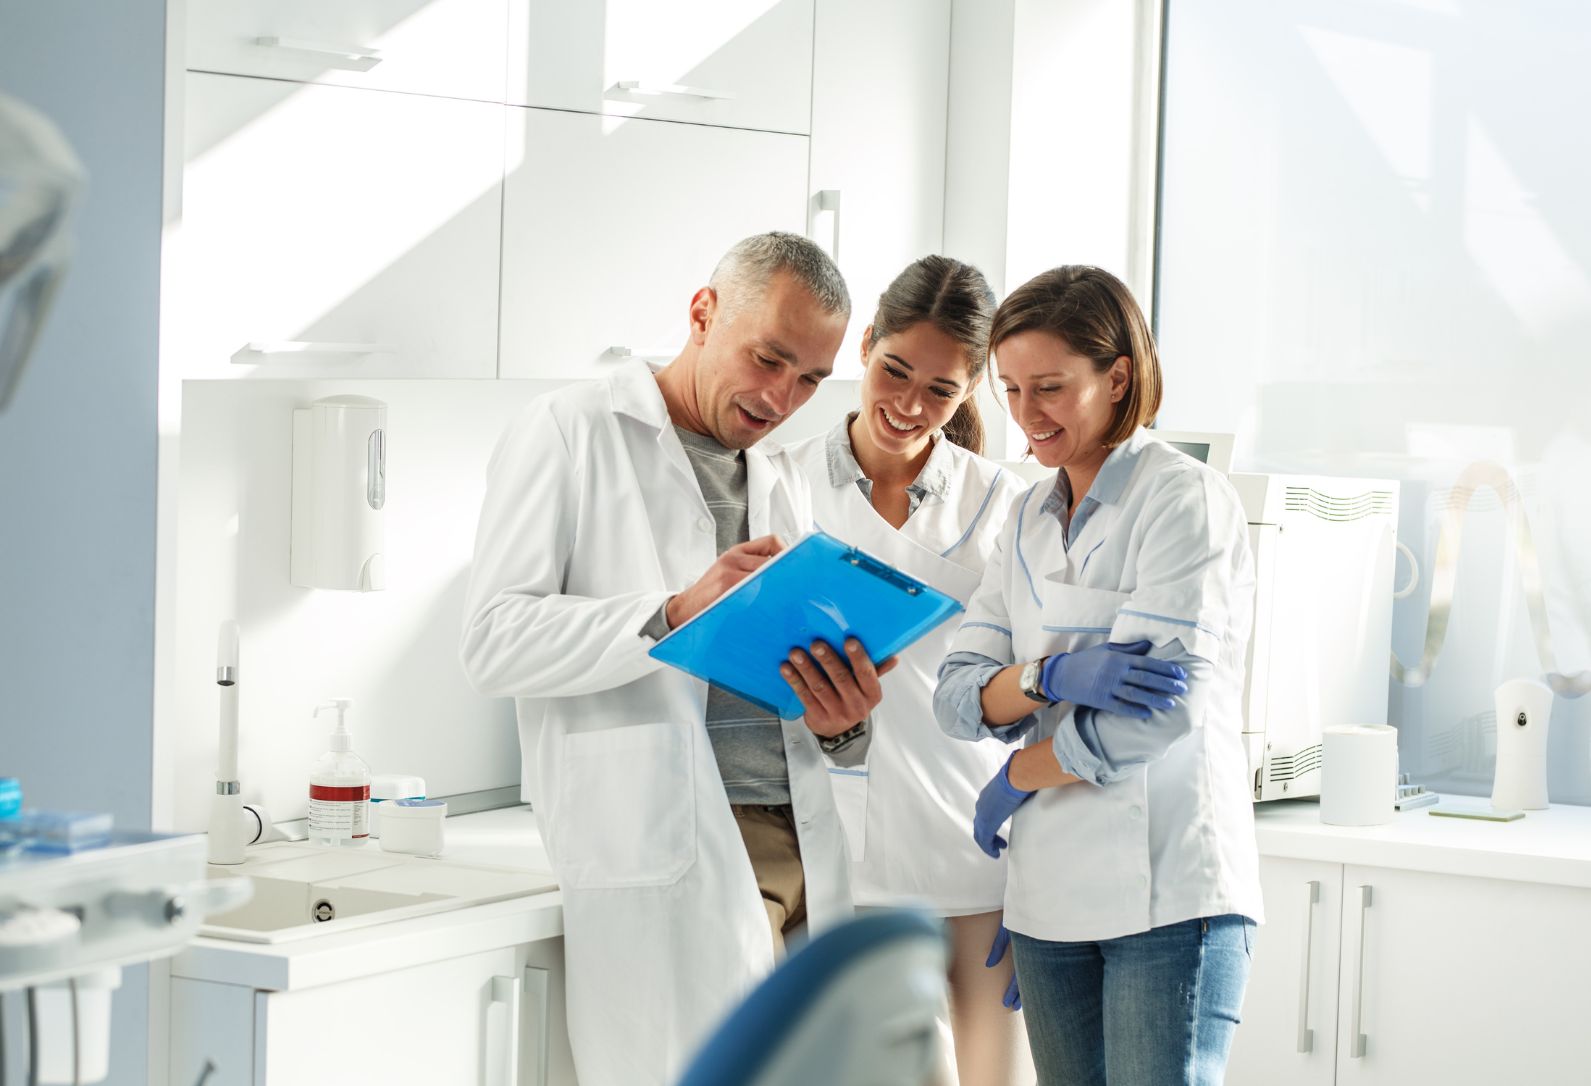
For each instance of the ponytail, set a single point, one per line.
(965, 427)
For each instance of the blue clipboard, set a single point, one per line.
(820, 588)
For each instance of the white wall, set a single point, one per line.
(77, 449)
(1376, 260)
(1050, 147)
(394, 651)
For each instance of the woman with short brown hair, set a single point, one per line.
(1110, 634)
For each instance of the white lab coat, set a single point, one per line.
(908, 809)
(1165, 838)
(592, 519)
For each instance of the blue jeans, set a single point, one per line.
(1153, 1009)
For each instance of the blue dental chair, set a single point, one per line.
(854, 1007)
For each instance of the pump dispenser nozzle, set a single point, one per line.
(340, 739)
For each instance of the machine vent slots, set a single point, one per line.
(1287, 767)
(1374, 503)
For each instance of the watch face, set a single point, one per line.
(1030, 680)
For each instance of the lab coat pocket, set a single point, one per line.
(1076, 618)
(850, 802)
(628, 807)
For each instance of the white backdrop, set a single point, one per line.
(1376, 260)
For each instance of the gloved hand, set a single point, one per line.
(1012, 1000)
(996, 803)
(1116, 678)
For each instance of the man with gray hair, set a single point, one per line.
(690, 831)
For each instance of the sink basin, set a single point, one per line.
(302, 890)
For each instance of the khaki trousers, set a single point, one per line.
(775, 851)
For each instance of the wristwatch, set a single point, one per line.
(1032, 681)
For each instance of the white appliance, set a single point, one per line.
(339, 489)
(1324, 552)
(1524, 707)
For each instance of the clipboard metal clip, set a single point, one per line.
(882, 571)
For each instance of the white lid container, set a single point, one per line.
(385, 787)
(413, 826)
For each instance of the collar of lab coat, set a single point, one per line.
(635, 393)
(1118, 468)
(844, 470)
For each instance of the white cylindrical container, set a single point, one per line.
(1358, 774)
(339, 489)
(1523, 708)
(386, 787)
(413, 826)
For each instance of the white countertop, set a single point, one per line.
(1551, 846)
(504, 838)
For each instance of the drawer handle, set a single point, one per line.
(670, 90)
(357, 58)
(502, 1033)
(304, 346)
(1357, 1050)
(1306, 1036)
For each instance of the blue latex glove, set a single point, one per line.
(1012, 1000)
(1119, 679)
(996, 803)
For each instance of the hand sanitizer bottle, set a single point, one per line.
(339, 788)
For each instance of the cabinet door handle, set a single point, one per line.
(502, 1033)
(670, 90)
(359, 58)
(1357, 1049)
(828, 200)
(538, 986)
(304, 346)
(646, 356)
(1306, 1036)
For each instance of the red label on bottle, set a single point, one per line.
(339, 795)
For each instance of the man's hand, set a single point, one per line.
(836, 691)
(732, 567)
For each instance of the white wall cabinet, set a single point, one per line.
(494, 1018)
(449, 48)
(610, 225)
(718, 62)
(879, 101)
(1414, 977)
(343, 233)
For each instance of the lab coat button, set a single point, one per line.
(1136, 811)
(806, 822)
(1143, 880)
(703, 524)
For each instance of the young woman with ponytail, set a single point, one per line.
(902, 478)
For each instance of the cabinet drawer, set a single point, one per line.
(427, 1024)
(454, 48)
(609, 226)
(347, 233)
(717, 62)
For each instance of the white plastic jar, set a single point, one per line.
(413, 826)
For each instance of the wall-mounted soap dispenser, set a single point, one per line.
(339, 488)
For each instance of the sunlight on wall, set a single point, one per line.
(1376, 260)
(314, 199)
